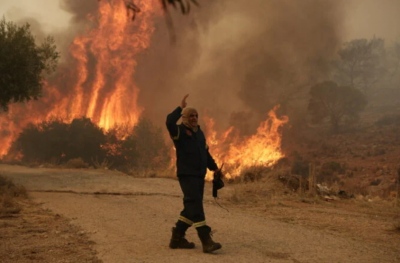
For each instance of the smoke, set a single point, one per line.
(79, 9)
(240, 58)
(236, 59)
(369, 18)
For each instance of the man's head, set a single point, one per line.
(190, 117)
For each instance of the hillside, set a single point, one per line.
(364, 159)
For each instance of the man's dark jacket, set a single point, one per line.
(192, 155)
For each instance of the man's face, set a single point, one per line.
(193, 117)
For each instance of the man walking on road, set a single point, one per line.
(192, 161)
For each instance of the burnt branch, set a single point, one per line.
(131, 7)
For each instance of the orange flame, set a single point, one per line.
(98, 81)
(261, 149)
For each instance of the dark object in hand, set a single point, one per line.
(217, 182)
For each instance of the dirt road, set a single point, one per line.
(130, 220)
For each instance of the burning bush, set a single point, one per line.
(44, 142)
(85, 140)
(122, 148)
(58, 142)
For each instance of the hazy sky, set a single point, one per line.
(364, 18)
(47, 12)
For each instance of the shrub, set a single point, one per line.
(9, 188)
(82, 143)
(85, 140)
(145, 147)
(42, 142)
(8, 193)
(58, 142)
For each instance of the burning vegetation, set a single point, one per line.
(82, 143)
(97, 82)
(106, 104)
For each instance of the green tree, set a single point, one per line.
(23, 63)
(335, 103)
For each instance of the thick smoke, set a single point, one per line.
(234, 58)
(79, 9)
(238, 59)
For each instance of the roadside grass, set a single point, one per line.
(271, 189)
(9, 195)
(257, 185)
(254, 186)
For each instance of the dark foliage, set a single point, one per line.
(124, 148)
(44, 142)
(85, 140)
(22, 63)
(145, 147)
(335, 103)
(58, 142)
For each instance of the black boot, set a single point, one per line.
(209, 245)
(178, 240)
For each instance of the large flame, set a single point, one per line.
(237, 153)
(98, 80)
(104, 89)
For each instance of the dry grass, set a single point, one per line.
(105, 164)
(146, 172)
(76, 163)
(9, 194)
(366, 218)
(258, 186)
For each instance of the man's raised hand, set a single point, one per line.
(184, 103)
